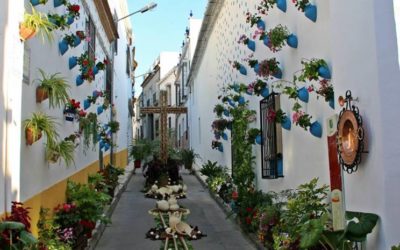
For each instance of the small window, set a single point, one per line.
(128, 61)
(157, 125)
(91, 29)
(169, 122)
(271, 148)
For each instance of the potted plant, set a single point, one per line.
(88, 127)
(313, 69)
(260, 88)
(239, 67)
(254, 135)
(59, 22)
(188, 156)
(276, 37)
(34, 23)
(217, 145)
(73, 10)
(38, 123)
(310, 11)
(86, 67)
(219, 125)
(325, 90)
(53, 87)
(302, 119)
(255, 19)
(58, 3)
(141, 150)
(71, 110)
(37, 2)
(64, 149)
(114, 126)
(269, 68)
(102, 65)
(219, 109)
(246, 41)
(277, 116)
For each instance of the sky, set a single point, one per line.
(161, 29)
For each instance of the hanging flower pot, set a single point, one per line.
(72, 62)
(95, 93)
(106, 147)
(58, 3)
(281, 4)
(70, 20)
(256, 68)
(332, 103)
(251, 45)
(77, 41)
(278, 74)
(29, 136)
(266, 40)
(286, 123)
(316, 129)
(261, 24)
(242, 70)
(303, 95)
(241, 100)
(249, 92)
(226, 112)
(102, 144)
(265, 92)
(324, 72)
(232, 103)
(25, 33)
(41, 94)
(236, 87)
(86, 104)
(37, 2)
(292, 41)
(224, 136)
(220, 148)
(79, 80)
(311, 12)
(63, 46)
(95, 70)
(259, 139)
(99, 110)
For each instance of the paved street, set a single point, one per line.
(131, 221)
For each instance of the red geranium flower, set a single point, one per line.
(74, 8)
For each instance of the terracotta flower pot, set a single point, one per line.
(41, 94)
(25, 33)
(30, 138)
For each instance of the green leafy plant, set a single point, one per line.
(64, 150)
(114, 126)
(142, 149)
(188, 156)
(302, 119)
(211, 169)
(38, 123)
(277, 116)
(268, 67)
(219, 109)
(59, 21)
(252, 18)
(301, 4)
(56, 88)
(252, 134)
(276, 37)
(88, 126)
(310, 70)
(36, 22)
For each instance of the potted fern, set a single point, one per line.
(188, 157)
(38, 123)
(53, 87)
(34, 23)
(63, 149)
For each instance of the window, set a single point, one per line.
(155, 103)
(169, 122)
(128, 60)
(157, 125)
(271, 148)
(91, 29)
(115, 17)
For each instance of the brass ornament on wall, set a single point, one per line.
(350, 142)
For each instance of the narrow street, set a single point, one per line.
(131, 221)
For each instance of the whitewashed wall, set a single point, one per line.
(358, 42)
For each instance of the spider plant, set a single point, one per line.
(36, 22)
(63, 149)
(56, 88)
(38, 123)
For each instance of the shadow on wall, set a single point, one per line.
(5, 179)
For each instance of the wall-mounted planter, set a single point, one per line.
(58, 3)
(251, 45)
(100, 110)
(220, 148)
(69, 116)
(242, 70)
(303, 95)
(316, 129)
(292, 41)
(236, 87)
(224, 136)
(281, 4)
(324, 72)
(286, 123)
(70, 20)
(106, 147)
(86, 104)
(102, 144)
(249, 92)
(232, 103)
(280, 167)
(95, 70)
(217, 135)
(266, 40)
(63, 46)
(72, 62)
(77, 41)
(261, 25)
(226, 113)
(259, 139)
(41, 94)
(278, 74)
(256, 68)
(311, 12)
(95, 93)
(332, 103)
(36, 2)
(265, 92)
(241, 100)
(79, 80)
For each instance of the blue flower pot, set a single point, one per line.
(242, 70)
(95, 93)
(286, 123)
(232, 103)
(259, 139)
(102, 144)
(332, 103)
(257, 68)
(236, 87)
(316, 129)
(324, 72)
(280, 168)
(251, 45)
(106, 147)
(311, 12)
(278, 74)
(265, 92)
(226, 113)
(35, 2)
(53, 21)
(70, 20)
(248, 92)
(261, 25)
(303, 95)
(77, 41)
(241, 100)
(72, 62)
(292, 41)
(217, 135)
(266, 40)
(58, 3)
(86, 104)
(63, 46)
(224, 136)
(95, 70)
(99, 110)
(79, 80)
(220, 148)
(281, 4)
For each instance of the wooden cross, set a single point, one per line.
(164, 110)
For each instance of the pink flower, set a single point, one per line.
(297, 115)
(310, 89)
